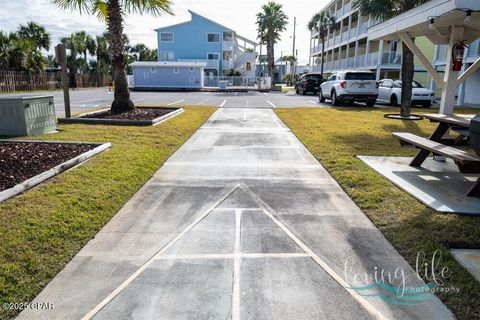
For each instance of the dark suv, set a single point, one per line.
(308, 82)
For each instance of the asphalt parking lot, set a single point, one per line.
(88, 99)
(83, 100)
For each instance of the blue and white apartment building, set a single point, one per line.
(195, 54)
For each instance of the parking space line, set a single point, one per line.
(236, 268)
(264, 93)
(314, 102)
(223, 103)
(172, 103)
(269, 102)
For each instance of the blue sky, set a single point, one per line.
(238, 15)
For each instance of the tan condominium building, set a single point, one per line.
(346, 46)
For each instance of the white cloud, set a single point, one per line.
(236, 14)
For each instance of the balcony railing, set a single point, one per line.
(372, 59)
(345, 36)
(227, 64)
(353, 32)
(337, 39)
(359, 61)
(339, 13)
(347, 7)
(391, 57)
(363, 28)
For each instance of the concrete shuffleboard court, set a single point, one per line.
(242, 222)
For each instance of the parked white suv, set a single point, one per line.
(390, 91)
(349, 86)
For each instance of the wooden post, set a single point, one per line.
(61, 58)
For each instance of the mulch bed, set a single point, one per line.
(20, 161)
(140, 113)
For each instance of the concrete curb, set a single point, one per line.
(121, 122)
(32, 182)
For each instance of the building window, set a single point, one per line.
(176, 70)
(166, 56)
(191, 79)
(248, 66)
(191, 69)
(166, 36)
(153, 70)
(213, 37)
(213, 56)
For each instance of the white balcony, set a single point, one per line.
(228, 45)
(391, 58)
(227, 64)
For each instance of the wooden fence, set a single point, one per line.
(11, 81)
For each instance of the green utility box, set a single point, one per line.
(27, 115)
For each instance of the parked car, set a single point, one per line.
(349, 86)
(390, 91)
(308, 82)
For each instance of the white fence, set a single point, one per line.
(238, 82)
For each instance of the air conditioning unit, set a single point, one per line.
(27, 115)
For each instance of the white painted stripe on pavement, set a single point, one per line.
(314, 102)
(129, 280)
(236, 267)
(361, 300)
(233, 255)
(271, 104)
(172, 103)
(223, 103)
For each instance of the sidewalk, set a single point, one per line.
(242, 222)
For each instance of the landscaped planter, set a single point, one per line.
(25, 163)
(142, 116)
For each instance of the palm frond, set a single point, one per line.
(83, 6)
(154, 7)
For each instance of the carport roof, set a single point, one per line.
(445, 13)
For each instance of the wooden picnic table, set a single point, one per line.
(438, 144)
(445, 122)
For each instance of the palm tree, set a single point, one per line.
(74, 44)
(384, 10)
(291, 60)
(36, 33)
(322, 22)
(101, 53)
(20, 54)
(271, 22)
(114, 12)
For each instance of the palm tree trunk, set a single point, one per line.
(97, 71)
(271, 59)
(73, 67)
(408, 71)
(122, 101)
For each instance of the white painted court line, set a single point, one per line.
(172, 103)
(223, 103)
(361, 300)
(271, 104)
(129, 280)
(233, 255)
(236, 267)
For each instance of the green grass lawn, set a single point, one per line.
(336, 136)
(42, 229)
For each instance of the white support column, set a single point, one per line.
(450, 86)
(379, 61)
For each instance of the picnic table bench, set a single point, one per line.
(439, 145)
